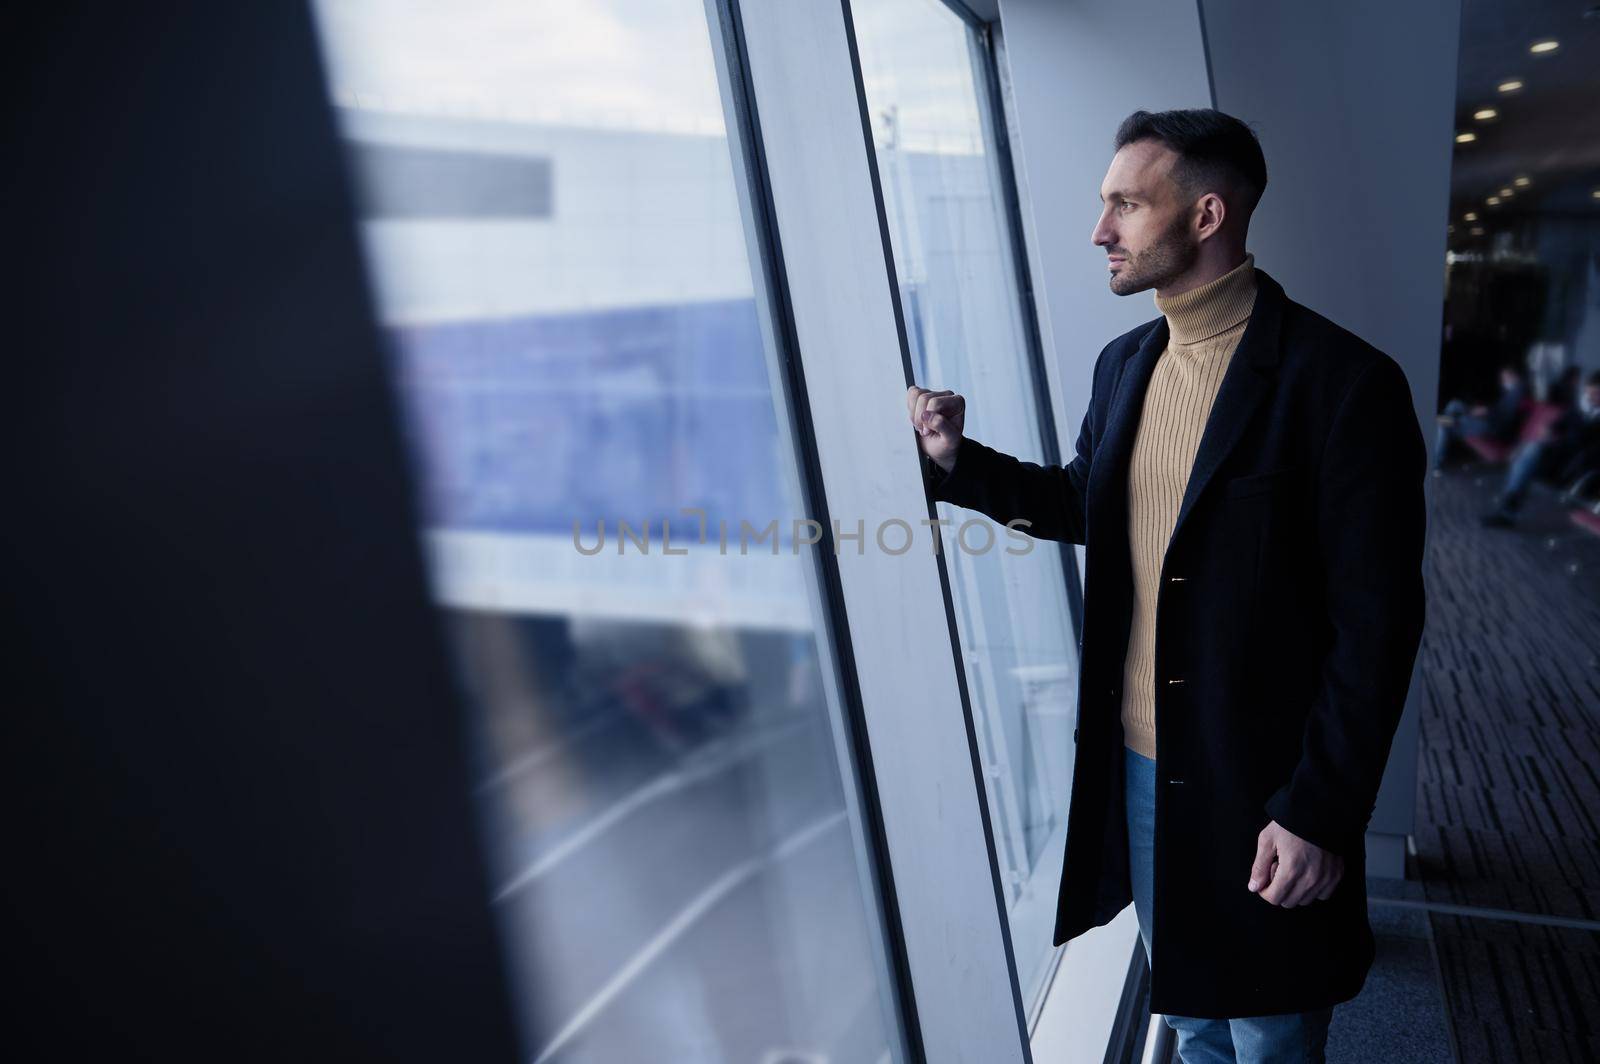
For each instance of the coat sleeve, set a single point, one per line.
(1003, 487)
(1371, 526)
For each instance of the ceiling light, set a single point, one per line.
(1521, 182)
(1595, 193)
(1506, 193)
(1477, 230)
(1513, 85)
(1470, 216)
(1485, 114)
(1493, 201)
(1466, 138)
(1544, 47)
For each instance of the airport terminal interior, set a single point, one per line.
(477, 595)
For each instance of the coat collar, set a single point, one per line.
(1248, 381)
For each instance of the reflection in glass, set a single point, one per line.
(552, 229)
(925, 73)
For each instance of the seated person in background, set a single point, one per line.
(1564, 389)
(1584, 462)
(1568, 449)
(1499, 422)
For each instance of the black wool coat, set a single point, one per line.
(1289, 615)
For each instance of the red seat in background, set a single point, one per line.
(1536, 417)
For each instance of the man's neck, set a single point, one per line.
(1207, 268)
(1215, 307)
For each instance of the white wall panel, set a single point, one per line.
(1353, 104)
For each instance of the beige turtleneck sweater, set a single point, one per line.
(1204, 326)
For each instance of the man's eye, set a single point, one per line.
(1124, 207)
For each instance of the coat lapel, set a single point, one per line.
(1246, 384)
(1110, 469)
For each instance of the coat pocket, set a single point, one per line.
(1256, 483)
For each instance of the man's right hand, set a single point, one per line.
(938, 418)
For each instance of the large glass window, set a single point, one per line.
(926, 76)
(553, 231)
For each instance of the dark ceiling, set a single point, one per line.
(1548, 132)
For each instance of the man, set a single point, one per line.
(1565, 451)
(1249, 487)
(1499, 422)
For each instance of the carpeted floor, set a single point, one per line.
(1508, 802)
(1400, 1016)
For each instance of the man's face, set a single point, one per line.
(1591, 397)
(1509, 380)
(1146, 221)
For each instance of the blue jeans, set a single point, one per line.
(1466, 424)
(1524, 467)
(1289, 1038)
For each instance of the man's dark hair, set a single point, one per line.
(1216, 151)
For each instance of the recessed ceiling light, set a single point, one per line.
(1466, 138)
(1595, 193)
(1485, 114)
(1470, 216)
(1544, 47)
(1506, 193)
(1493, 201)
(1477, 230)
(1512, 85)
(1521, 182)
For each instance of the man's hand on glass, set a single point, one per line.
(939, 418)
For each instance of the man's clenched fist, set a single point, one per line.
(1290, 871)
(938, 418)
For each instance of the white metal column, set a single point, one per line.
(825, 212)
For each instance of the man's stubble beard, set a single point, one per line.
(1170, 257)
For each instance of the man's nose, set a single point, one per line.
(1102, 235)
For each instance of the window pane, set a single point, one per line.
(925, 70)
(552, 228)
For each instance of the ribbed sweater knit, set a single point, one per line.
(1204, 326)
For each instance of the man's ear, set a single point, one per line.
(1212, 212)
